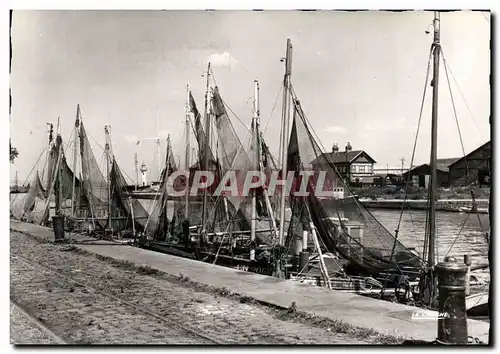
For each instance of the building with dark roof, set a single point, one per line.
(458, 171)
(473, 167)
(355, 166)
(423, 172)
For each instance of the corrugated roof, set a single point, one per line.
(442, 164)
(472, 152)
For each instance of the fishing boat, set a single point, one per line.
(90, 203)
(472, 210)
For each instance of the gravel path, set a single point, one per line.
(86, 300)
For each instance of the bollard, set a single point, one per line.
(452, 322)
(305, 233)
(298, 245)
(186, 233)
(253, 246)
(468, 263)
(58, 224)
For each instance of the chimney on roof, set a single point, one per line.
(348, 147)
(335, 148)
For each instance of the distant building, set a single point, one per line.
(353, 165)
(474, 167)
(423, 172)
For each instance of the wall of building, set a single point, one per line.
(424, 170)
(361, 168)
(475, 164)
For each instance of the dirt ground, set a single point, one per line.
(76, 298)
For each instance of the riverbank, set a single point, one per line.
(393, 192)
(457, 199)
(449, 205)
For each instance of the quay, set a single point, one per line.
(451, 205)
(383, 316)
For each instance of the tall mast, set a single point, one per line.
(206, 145)
(186, 211)
(165, 178)
(284, 134)
(107, 149)
(434, 125)
(158, 143)
(58, 173)
(255, 160)
(75, 155)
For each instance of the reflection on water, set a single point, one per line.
(471, 239)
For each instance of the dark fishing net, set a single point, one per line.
(64, 186)
(158, 225)
(199, 132)
(343, 225)
(232, 156)
(36, 196)
(123, 204)
(94, 183)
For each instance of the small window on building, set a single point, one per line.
(362, 169)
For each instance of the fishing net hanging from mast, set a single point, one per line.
(123, 202)
(234, 159)
(158, 223)
(338, 220)
(94, 182)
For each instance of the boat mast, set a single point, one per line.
(158, 145)
(188, 123)
(434, 125)
(284, 135)
(206, 147)
(58, 175)
(107, 149)
(75, 155)
(256, 160)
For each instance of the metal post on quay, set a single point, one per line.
(58, 225)
(452, 321)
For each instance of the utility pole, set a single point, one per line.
(402, 165)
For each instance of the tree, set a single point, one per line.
(13, 153)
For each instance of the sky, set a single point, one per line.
(359, 76)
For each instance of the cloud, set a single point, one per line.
(222, 60)
(373, 128)
(164, 134)
(336, 129)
